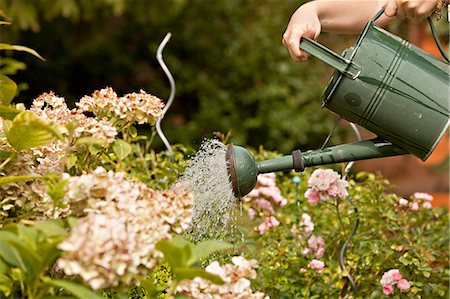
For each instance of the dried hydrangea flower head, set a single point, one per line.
(115, 242)
(141, 108)
(236, 277)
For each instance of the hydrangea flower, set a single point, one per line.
(123, 220)
(236, 277)
(325, 184)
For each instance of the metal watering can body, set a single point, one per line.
(384, 84)
(396, 91)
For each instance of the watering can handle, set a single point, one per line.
(345, 66)
(433, 32)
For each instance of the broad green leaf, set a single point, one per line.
(3, 267)
(19, 178)
(71, 161)
(151, 289)
(7, 112)
(55, 189)
(28, 131)
(191, 273)
(28, 235)
(179, 296)
(51, 228)
(121, 148)
(176, 256)
(133, 131)
(4, 46)
(6, 285)
(205, 249)
(14, 251)
(7, 89)
(78, 290)
(91, 141)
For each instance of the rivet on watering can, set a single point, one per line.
(296, 180)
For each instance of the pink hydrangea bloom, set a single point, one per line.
(388, 289)
(324, 184)
(391, 277)
(403, 285)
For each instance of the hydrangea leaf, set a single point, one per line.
(177, 256)
(4, 46)
(121, 148)
(204, 249)
(191, 273)
(78, 290)
(7, 89)
(28, 131)
(7, 112)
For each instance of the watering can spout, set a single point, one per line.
(244, 170)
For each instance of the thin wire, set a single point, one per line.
(331, 133)
(342, 255)
(172, 92)
(350, 164)
(355, 227)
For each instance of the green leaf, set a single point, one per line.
(14, 251)
(7, 89)
(19, 178)
(121, 148)
(78, 290)
(7, 112)
(51, 228)
(133, 131)
(191, 273)
(151, 289)
(55, 189)
(92, 141)
(206, 248)
(28, 131)
(71, 161)
(6, 285)
(4, 46)
(176, 256)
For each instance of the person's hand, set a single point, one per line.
(304, 22)
(411, 9)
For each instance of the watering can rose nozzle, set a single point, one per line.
(244, 170)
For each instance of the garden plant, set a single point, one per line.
(89, 209)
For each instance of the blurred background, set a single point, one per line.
(231, 71)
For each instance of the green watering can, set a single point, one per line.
(382, 83)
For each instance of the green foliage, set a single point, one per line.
(28, 131)
(232, 74)
(388, 237)
(182, 256)
(26, 253)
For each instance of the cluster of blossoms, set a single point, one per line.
(124, 220)
(236, 277)
(392, 278)
(417, 199)
(262, 199)
(48, 106)
(325, 184)
(141, 108)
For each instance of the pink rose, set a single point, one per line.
(427, 205)
(312, 196)
(316, 264)
(388, 289)
(414, 206)
(403, 285)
